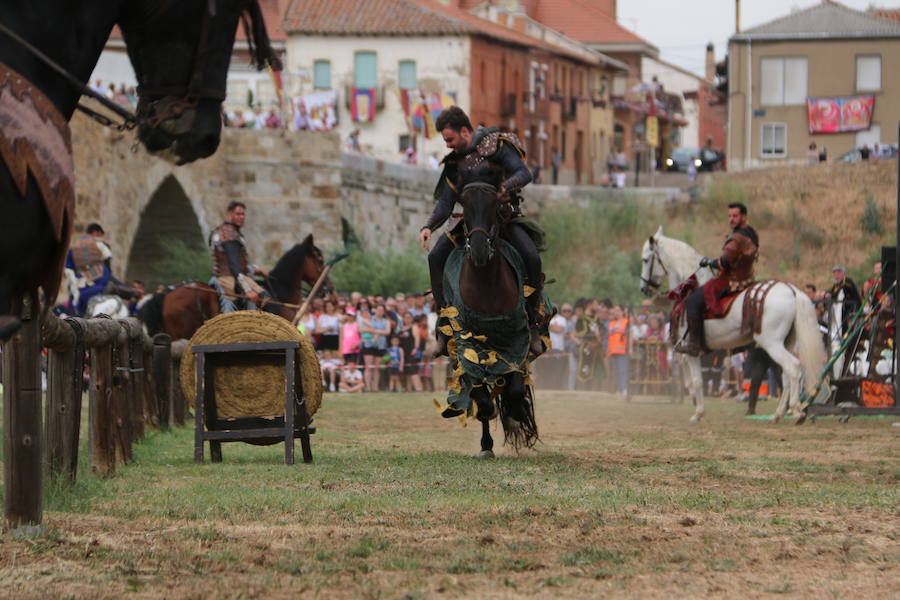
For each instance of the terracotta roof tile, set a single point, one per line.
(583, 21)
(891, 14)
(373, 17)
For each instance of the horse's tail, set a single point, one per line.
(152, 313)
(810, 347)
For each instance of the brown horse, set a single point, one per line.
(180, 52)
(488, 285)
(182, 310)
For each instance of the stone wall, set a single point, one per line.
(390, 202)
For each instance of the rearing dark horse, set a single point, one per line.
(181, 311)
(180, 50)
(488, 285)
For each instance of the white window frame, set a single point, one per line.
(782, 86)
(880, 73)
(762, 137)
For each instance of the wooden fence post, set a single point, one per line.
(23, 479)
(162, 377)
(134, 364)
(65, 381)
(121, 403)
(103, 450)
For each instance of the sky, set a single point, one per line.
(682, 28)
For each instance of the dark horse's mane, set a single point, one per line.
(280, 282)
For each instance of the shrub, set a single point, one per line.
(180, 262)
(382, 273)
(870, 223)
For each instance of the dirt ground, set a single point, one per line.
(620, 500)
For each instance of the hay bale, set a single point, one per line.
(258, 390)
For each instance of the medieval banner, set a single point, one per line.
(837, 115)
(362, 104)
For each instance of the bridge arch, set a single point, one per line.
(169, 231)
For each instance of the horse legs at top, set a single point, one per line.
(694, 382)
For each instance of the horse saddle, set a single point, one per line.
(754, 299)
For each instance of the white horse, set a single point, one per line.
(788, 320)
(109, 305)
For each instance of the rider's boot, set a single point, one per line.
(693, 343)
(535, 320)
(442, 338)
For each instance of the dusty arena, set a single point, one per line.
(619, 500)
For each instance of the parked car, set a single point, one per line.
(680, 158)
(704, 160)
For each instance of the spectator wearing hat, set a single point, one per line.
(845, 293)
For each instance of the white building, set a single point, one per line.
(435, 64)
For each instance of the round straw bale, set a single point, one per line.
(252, 390)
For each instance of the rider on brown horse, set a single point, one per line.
(735, 274)
(232, 272)
(469, 149)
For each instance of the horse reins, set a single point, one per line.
(129, 120)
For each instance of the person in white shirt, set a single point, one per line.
(559, 325)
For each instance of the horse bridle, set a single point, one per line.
(190, 93)
(492, 233)
(187, 96)
(654, 258)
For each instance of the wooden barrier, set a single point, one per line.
(22, 444)
(131, 387)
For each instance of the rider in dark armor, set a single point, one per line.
(735, 275)
(469, 149)
(232, 272)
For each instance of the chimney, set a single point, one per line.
(710, 62)
(737, 16)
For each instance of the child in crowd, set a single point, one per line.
(351, 378)
(396, 365)
(330, 367)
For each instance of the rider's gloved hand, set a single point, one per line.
(423, 237)
(705, 262)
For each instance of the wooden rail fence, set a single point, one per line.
(132, 385)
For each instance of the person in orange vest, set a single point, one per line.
(618, 347)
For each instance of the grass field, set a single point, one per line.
(620, 500)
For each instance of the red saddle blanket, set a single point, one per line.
(718, 306)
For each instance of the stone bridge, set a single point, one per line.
(293, 183)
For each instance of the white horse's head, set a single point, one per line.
(652, 269)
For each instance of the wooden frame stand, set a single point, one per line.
(208, 427)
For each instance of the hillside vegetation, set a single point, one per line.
(809, 218)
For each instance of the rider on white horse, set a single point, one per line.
(735, 274)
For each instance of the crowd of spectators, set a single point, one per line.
(374, 343)
(255, 118)
(118, 93)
